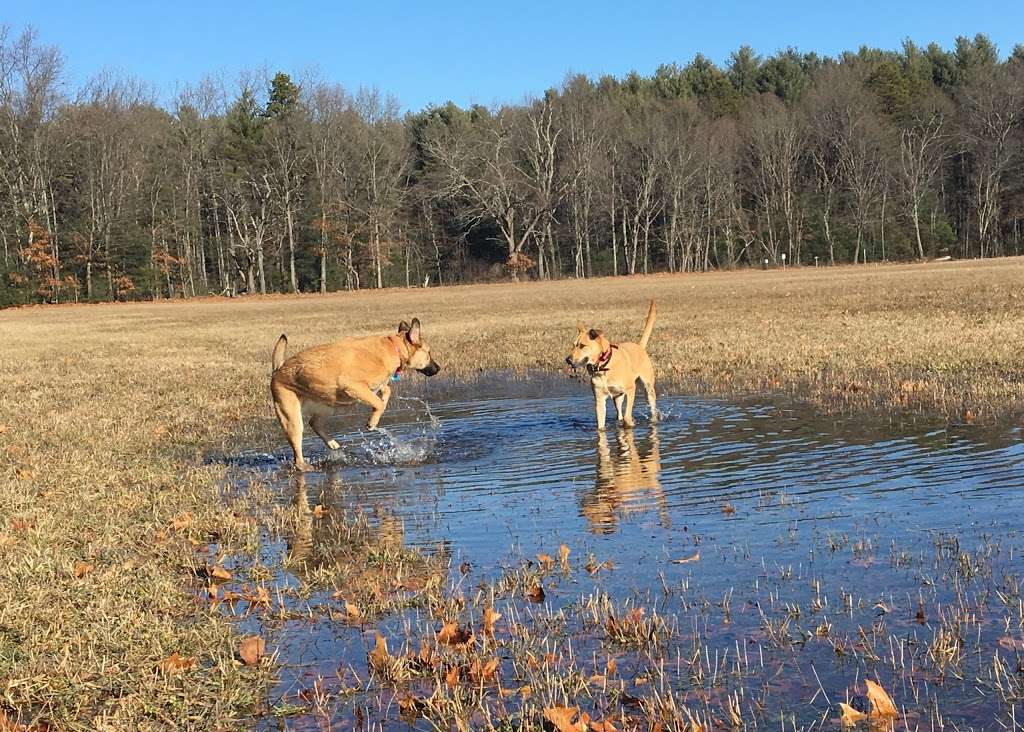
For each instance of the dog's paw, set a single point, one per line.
(333, 445)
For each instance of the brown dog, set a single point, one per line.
(614, 370)
(312, 383)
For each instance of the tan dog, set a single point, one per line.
(614, 370)
(312, 383)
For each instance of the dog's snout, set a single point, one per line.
(431, 369)
(568, 360)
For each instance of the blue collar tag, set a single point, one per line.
(395, 376)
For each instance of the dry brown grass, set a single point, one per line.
(106, 410)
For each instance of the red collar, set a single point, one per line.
(602, 363)
(397, 353)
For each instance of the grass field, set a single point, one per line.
(106, 412)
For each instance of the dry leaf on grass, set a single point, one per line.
(565, 719)
(481, 673)
(546, 560)
(452, 677)
(353, 612)
(82, 568)
(175, 663)
(219, 572)
(535, 594)
(563, 556)
(250, 649)
(181, 521)
(605, 726)
(379, 656)
(319, 511)
(452, 635)
(491, 616)
(687, 560)
(849, 715)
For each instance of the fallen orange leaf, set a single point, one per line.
(881, 702)
(563, 719)
(611, 667)
(379, 656)
(452, 677)
(849, 715)
(563, 555)
(319, 511)
(480, 673)
(545, 559)
(82, 569)
(175, 664)
(605, 726)
(354, 613)
(491, 616)
(687, 560)
(535, 594)
(219, 572)
(452, 635)
(181, 521)
(251, 649)
(728, 509)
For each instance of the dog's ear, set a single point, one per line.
(580, 328)
(414, 332)
(595, 334)
(403, 327)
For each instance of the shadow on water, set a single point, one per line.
(821, 544)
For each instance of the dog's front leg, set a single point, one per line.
(601, 406)
(366, 395)
(385, 396)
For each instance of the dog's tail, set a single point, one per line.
(279, 350)
(648, 326)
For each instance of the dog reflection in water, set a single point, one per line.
(319, 537)
(627, 481)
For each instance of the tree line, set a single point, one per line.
(296, 185)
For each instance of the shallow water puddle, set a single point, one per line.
(741, 565)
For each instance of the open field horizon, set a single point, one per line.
(114, 520)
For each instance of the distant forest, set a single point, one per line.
(283, 184)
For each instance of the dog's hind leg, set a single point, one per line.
(652, 397)
(627, 416)
(289, 414)
(367, 396)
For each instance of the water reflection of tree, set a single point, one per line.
(626, 481)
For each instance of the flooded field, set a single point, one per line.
(734, 565)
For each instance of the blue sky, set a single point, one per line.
(472, 52)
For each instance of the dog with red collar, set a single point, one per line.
(313, 383)
(614, 370)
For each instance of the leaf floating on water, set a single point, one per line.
(491, 616)
(251, 648)
(881, 702)
(564, 719)
(175, 663)
(849, 715)
(535, 594)
(481, 673)
(452, 635)
(728, 509)
(611, 667)
(379, 656)
(687, 560)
